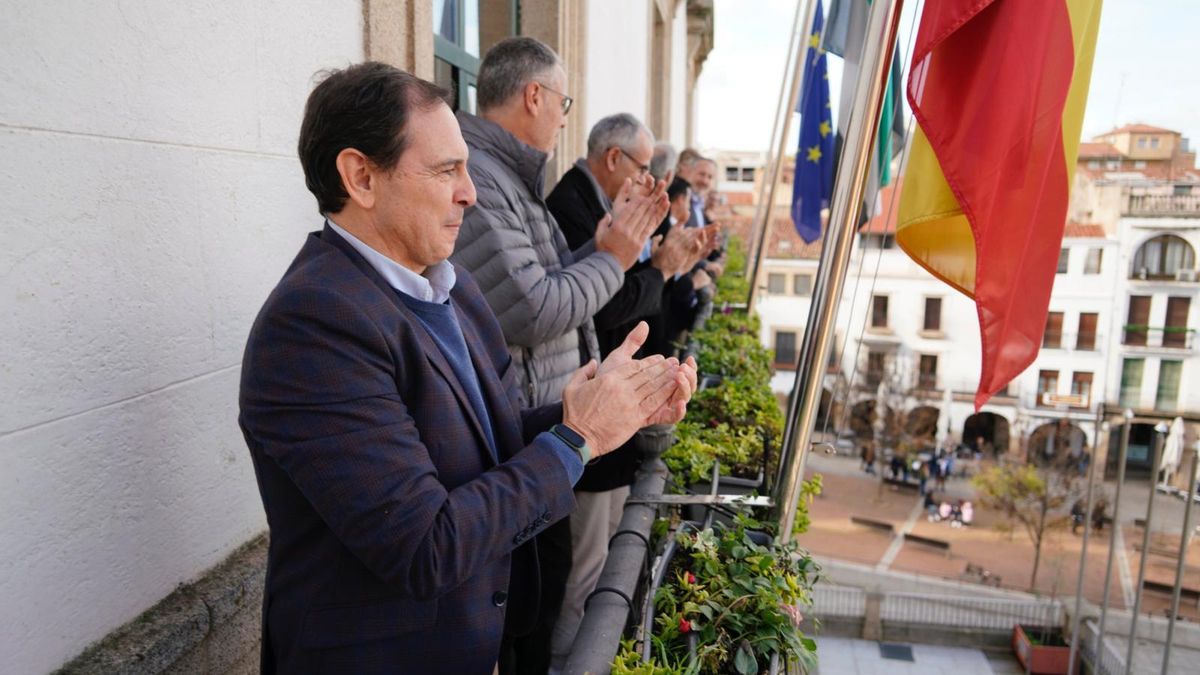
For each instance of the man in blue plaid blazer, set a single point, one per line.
(401, 481)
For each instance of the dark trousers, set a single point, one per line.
(530, 654)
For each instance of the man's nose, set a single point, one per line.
(464, 196)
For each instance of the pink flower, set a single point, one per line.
(691, 578)
(685, 626)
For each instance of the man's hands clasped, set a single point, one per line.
(607, 403)
(637, 211)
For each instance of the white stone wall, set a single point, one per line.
(679, 77)
(152, 199)
(618, 54)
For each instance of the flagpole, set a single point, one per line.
(1160, 433)
(1087, 530)
(1122, 454)
(848, 187)
(763, 212)
(1179, 565)
(782, 114)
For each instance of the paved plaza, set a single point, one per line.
(1007, 558)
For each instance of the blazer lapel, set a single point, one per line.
(432, 352)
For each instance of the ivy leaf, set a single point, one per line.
(744, 660)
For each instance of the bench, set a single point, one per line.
(1186, 593)
(873, 524)
(895, 482)
(940, 544)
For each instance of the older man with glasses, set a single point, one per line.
(543, 292)
(619, 150)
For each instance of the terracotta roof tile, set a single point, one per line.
(1138, 128)
(1074, 229)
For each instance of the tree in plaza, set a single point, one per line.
(1036, 497)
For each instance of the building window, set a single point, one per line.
(733, 174)
(1093, 165)
(1052, 337)
(1085, 337)
(879, 311)
(933, 314)
(1047, 385)
(1141, 142)
(876, 366)
(1081, 386)
(802, 284)
(1137, 321)
(927, 375)
(1167, 396)
(456, 49)
(1131, 383)
(776, 283)
(1163, 257)
(1175, 334)
(875, 241)
(1154, 143)
(1139, 164)
(1113, 164)
(1064, 257)
(1094, 257)
(785, 348)
(747, 174)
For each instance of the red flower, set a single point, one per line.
(685, 626)
(691, 578)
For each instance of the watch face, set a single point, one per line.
(568, 434)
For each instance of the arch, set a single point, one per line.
(1137, 455)
(1057, 443)
(921, 424)
(1162, 257)
(987, 432)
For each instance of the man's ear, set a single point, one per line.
(533, 98)
(358, 177)
(611, 157)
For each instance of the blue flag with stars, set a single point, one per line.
(812, 185)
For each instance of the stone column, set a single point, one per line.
(400, 32)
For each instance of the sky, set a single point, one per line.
(1143, 71)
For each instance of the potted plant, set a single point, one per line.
(730, 602)
(1041, 649)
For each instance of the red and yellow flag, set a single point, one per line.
(998, 88)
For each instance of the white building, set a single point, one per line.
(153, 198)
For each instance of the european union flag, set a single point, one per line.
(812, 185)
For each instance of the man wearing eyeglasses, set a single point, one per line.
(619, 150)
(543, 293)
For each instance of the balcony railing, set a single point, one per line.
(1168, 337)
(1163, 206)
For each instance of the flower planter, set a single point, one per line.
(1048, 655)
(726, 485)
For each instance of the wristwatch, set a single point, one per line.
(572, 438)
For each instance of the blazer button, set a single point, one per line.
(499, 598)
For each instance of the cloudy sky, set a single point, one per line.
(1144, 69)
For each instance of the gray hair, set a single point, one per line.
(616, 131)
(689, 157)
(510, 65)
(664, 158)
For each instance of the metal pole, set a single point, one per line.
(1183, 544)
(1087, 530)
(1112, 537)
(780, 112)
(848, 190)
(763, 212)
(1160, 431)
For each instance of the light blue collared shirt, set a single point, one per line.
(432, 286)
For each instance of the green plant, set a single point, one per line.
(740, 599)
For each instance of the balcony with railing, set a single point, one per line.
(1162, 206)
(1158, 337)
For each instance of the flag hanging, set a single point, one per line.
(812, 184)
(998, 89)
(845, 34)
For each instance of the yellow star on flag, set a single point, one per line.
(824, 128)
(814, 40)
(814, 154)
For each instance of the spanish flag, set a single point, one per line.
(998, 88)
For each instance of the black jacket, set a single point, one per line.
(577, 209)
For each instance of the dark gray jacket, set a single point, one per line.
(543, 293)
